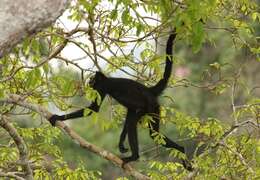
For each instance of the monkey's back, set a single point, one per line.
(130, 93)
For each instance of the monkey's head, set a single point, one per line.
(96, 80)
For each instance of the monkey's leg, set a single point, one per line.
(123, 134)
(131, 122)
(154, 127)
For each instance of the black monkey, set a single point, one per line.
(137, 98)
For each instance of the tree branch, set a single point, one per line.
(19, 100)
(11, 175)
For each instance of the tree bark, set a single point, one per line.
(26, 17)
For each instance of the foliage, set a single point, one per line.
(44, 154)
(215, 103)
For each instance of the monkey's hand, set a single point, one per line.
(53, 119)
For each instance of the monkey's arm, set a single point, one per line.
(95, 106)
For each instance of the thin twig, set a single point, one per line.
(11, 175)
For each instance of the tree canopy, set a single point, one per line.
(211, 105)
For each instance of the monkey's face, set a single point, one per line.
(92, 81)
(96, 80)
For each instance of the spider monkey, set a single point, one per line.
(137, 98)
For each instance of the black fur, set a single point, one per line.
(137, 98)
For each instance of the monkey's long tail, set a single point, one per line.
(161, 85)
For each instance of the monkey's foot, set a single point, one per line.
(128, 159)
(187, 165)
(122, 149)
(125, 161)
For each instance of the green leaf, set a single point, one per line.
(26, 46)
(125, 17)
(114, 14)
(44, 47)
(35, 45)
(215, 65)
(198, 36)
(2, 91)
(139, 29)
(46, 68)
(68, 86)
(33, 78)
(255, 50)
(87, 111)
(255, 15)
